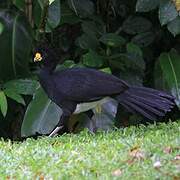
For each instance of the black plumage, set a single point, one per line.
(69, 87)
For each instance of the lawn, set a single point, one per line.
(151, 152)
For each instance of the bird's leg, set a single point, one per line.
(55, 131)
(62, 124)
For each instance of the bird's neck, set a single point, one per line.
(49, 68)
(45, 78)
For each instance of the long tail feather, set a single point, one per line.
(148, 102)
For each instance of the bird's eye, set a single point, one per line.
(37, 57)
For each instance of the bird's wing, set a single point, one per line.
(83, 84)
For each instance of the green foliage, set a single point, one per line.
(134, 50)
(146, 5)
(125, 38)
(104, 114)
(16, 57)
(170, 63)
(14, 95)
(67, 15)
(54, 14)
(19, 4)
(22, 86)
(87, 41)
(167, 12)
(92, 59)
(13, 89)
(136, 25)
(174, 26)
(3, 103)
(42, 115)
(112, 40)
(1, 28)
(82, 8)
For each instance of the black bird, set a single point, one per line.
(69, 87)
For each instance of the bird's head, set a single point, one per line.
(42, 54)
(45, 56)
(38, 57)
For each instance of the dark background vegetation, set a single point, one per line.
(136, 40)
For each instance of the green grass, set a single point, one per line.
(100, 156)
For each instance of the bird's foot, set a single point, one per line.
(55, 131)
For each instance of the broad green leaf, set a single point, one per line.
(67, 15)
(112, 39)
(174, 26)
(41, 3)
(92, 59)
(106, 70)
(93, 28)
(51, 1)
(132, 77)
(159, 79)
(73, 6)
(135, 56)
(104, 114)
(54, 15)
(37, 10)
(87, 41)
(41, 116)
(82, 8)
(101, 122)
(19, 4)
(11, 93)
(83, 107)
(108, 107)
(3, 103)
(131, 67)
(146, 5)
(134, 49)
(136, 62)
(69, 63)
(22, 86)
(144, 39)
(167, 12)
(1, 28)
(136, 25)
(170, 65)
(15, 45)
(89, 27)
(128, 61)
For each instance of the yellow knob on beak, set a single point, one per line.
(37, 57)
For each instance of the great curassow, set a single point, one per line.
(69, 87)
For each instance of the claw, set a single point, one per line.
(55, 131)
